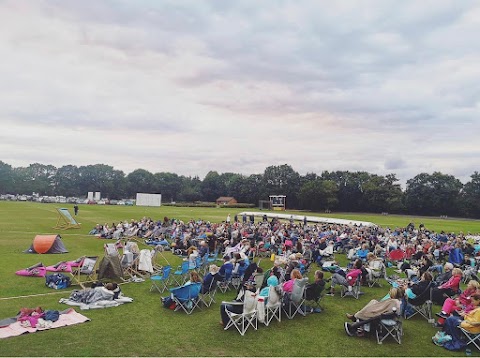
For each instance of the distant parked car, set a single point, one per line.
(129, 202)
(101, 202)
(120, 202)
(113, 202)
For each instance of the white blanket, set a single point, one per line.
(97, 304)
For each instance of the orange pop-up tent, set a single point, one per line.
(47, 244)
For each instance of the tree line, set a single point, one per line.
(425, 194)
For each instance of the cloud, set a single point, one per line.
(192, 86)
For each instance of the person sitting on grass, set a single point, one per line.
(374, 311)
(348, 280)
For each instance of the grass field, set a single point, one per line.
(144, 328)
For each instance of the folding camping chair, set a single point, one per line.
(471, 337)
(389, 326)
(226, 282)
(186, 297)
(86, 272)
(353, 291)
(181, 274)
(160, 282)
(422, 305)
(238, 277)
(313, 296)
(378, 271)
(208, 297)
(203, 269)
(214, 257)
(263, 249)
(258, 278)
(157, 253)
(129, 263)
(248, 317)
(273, 307)
(294, 302)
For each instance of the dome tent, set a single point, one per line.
(47, 244)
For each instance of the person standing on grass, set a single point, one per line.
(75, 209)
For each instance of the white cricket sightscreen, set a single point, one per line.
(144, 199)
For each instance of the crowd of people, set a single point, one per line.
(436, 261)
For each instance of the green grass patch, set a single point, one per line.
(144, 328)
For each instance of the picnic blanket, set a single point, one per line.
(66, 318)
(98, 297)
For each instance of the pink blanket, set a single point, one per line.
(65, 319)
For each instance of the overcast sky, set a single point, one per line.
(236, 86)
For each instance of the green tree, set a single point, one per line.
(103, 178)
(36, 177)
(140, 181)
(191, 189)
(319, 195)
(471, 197)
(435, 194)
(67, 181)
(381, 194)
(6, 178)
(167, 184)
(212, 186)
(282, 180)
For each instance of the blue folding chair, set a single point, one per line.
(213, 257)
(198, 263)
(238, 277)
(181, 274)
(160, 282)
(225, 283)
(186, 297)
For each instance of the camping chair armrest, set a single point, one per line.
(472, 323)
(174, 289)
(233, 303)
(391, 315)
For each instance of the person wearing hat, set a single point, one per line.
(210, 279)
(271, 281)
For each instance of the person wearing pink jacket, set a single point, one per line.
(462, 303)
(449, 288)
(349, 279)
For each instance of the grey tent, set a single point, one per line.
(110, 267)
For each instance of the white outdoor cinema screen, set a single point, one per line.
(144, 199)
